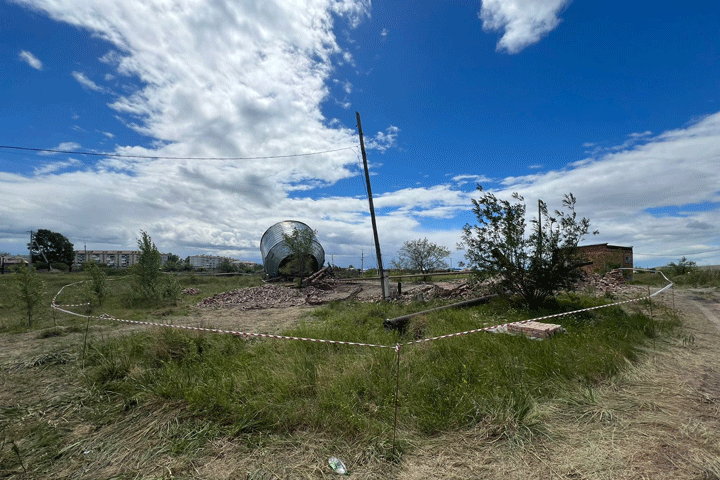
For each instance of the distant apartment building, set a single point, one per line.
(206, 262)
(111, 258)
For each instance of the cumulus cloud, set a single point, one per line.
(618, 189)
(523, 22)
(231, 79)
(225, 79)
(30, 59)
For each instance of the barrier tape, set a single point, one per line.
(396, 347)
(217, 330)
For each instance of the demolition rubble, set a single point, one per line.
(323, 287)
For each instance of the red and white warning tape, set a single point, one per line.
(340, 342)
(217, 330)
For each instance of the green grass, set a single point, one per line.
(274, 386)
(191, 388)
(698, 277)
(120, 303)
(648, 278)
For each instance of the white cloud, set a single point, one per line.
(56, 166)
(219, 79)
(355, 10)
(384, 32)
(64, 146)
(227, 79)
(86, 82)
(616, 191)
(30, 59)
(477, 179)
(383, 141)
(238, 79)
(523, 22)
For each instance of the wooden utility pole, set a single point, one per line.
(539, 228)
(30, 247)
(381, 272)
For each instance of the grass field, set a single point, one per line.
(221, 386)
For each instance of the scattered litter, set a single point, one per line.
(337, 465)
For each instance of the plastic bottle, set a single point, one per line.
(337, 465)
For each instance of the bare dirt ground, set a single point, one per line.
(658, 420)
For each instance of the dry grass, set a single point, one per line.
(659, 418)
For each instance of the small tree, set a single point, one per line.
(226, 266)
(30, 290)
(422, 256)
(50, 247)
(534, 266)
(301, 261)
(173, 264)
(147, 271)
(682, 267)
(97, 285)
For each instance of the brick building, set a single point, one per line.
(606, 257)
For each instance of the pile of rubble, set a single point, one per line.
(460, 289)
(611, 282)
(265, 296)
(191, 291)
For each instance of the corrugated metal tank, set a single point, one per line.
(275, 252)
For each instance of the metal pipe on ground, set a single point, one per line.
(399, 323)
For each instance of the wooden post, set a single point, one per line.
(397, 393)
(539, 255)
(381, 271)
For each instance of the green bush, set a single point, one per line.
(699, 278)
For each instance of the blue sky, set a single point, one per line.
(616, 102)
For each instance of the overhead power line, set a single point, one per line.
(677, 254)
(161, 157)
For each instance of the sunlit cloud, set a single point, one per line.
(523, 22)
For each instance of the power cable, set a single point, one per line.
(676, 254)
(160, 157)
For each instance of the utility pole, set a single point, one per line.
(539, 228)
(30, 249)
(381, 272)
(362, 260)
